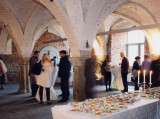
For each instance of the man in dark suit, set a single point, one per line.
(155, 67)
(124, 71)
(33, 60)
(64, 74)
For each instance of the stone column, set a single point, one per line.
(28, 88)
(79, 79)
(24, 86)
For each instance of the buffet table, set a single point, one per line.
(129, 105)
(143, 109)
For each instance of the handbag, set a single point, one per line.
(37, 68)
(134, 75)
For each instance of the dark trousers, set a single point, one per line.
(47, 93)
(34, 88)
(2, 79)
(136, 84)
(65, 87)
(125, 83)
(107, 78)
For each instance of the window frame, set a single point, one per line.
(136, 44)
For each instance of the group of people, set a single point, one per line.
(106, 71)
(147, 65)
(45, 78)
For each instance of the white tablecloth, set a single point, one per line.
(117, 78)
(144, 109)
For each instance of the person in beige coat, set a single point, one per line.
(44, 80)
(3, 71)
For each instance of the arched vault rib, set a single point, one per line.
(124, 16)
(144, 8)
(1, 2)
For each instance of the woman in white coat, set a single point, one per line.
(44, 80)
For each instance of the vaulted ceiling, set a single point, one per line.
(142, 12)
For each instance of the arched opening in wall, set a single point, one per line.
(51, 44)
(133, 28)
(50, 39)
(9, 53)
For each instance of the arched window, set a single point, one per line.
(135, 45)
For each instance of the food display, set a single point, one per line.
(113, 103)
(106, 105)
(153, 93)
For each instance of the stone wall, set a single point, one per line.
(11, 62)
(117, 42)
(118, 45)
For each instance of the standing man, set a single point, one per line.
(124, 71)
(146, 65)
(155, 67)
(64, 74)
(32, 62)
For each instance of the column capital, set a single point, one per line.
(78, 61)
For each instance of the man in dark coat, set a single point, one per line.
(64, 74)
(124, 71)
(33, 60)
(155, 67)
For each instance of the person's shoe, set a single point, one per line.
(62, 101)
(41, 102)
(122, 91)
(1, 88)
(60, 95)
(110, 89)
(67, 98)
(49, 103)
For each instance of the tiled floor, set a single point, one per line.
(14, 106)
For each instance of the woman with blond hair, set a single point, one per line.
(44, 80)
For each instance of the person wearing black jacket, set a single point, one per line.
(155, 67)
(33, 60)
(106, 72)
(136, 67)
(124, 71)
(64, 74)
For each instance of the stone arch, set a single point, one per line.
(8, 45)
(7, 30)
(12, 27)
(41, 42)
(128, 18)
(53, 27)
(103, 9)
(60, 13)
(143, 7)
(38, 17)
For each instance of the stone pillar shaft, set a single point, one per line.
(24, 82)
(79, 78)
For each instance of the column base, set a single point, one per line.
(21, 91)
